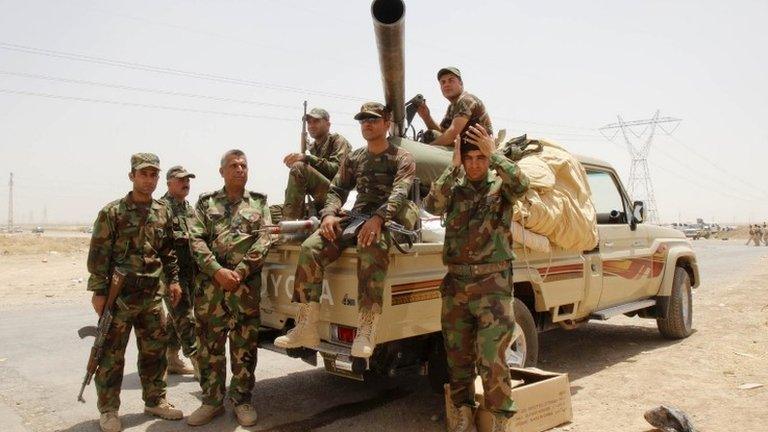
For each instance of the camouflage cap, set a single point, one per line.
(144, 160)
(449, 70)
(318, 113)
(178, 171)
(372, 110)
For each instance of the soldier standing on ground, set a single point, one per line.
(229, 247)
(311, 174)
(463, 108)
(181, 325)
(134, 234)
(382, 175)
(477, 314)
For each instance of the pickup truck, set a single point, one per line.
(636, 269)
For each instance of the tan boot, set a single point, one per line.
(176, 365)
(110, 422)
(204, 414)
(459, 419)
(365, 340)
(246, 414)
(304, 333)
(164, 410)
(500, 423)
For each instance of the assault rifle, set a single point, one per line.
(100, 331)
(304, 139)
(354, 220)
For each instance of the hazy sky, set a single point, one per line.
(189, 80)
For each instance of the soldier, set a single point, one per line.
(181, 325)
(477, 315)
(134, 234)
(312, 173)
(463, 108)
(764, 230)
(382, 175)
(753, 235)
(229, 246)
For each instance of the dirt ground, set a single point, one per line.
(617, 369)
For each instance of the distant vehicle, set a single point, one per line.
(38, 230)
(86, 229)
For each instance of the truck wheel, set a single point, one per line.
(524, 352)
(678, 319)
(437, 366)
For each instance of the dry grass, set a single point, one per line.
(25, 244)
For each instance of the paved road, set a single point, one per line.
(42, 362)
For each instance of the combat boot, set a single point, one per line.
(365, 340)
(110, 422)
(499, 423)
(459, 419)
(204, 415)
(246, 414)
(164, 410)
(304, 333)
(176, 365)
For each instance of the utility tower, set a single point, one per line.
(638, 136)
(10, 204)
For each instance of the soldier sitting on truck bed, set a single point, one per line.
(463, 108)
(382, 175)
(477, 317)
(311, 174)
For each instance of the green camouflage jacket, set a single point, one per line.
(327, 155)
(382, 182)
(469, 106)
(478, 216)
(226, 234)
(136, 238)
(183, 216)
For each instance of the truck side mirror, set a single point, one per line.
(638, 214)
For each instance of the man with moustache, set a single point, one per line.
(311, 174)
(135, 236)
(475, 197)
(463, 108)
(382, 175)
(181, 325)
(229, 247)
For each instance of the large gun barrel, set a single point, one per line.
(388, 25)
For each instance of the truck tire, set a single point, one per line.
(437, 365)
(677, 322)
(524, 352)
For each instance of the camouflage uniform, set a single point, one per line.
(138, 239)
(469, 106)
(181, 326)
(382, 182)
(225, 235)
(477, 316)
(313, 176)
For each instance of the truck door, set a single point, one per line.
(625, 254)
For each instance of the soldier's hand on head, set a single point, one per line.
(293, 158)
(174, 293)
(227, 279)
(477, 135)
(330, 228)
(370, 232)
(98, 302)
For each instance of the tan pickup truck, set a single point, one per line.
(636, 269)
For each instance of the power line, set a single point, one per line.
(170, 71)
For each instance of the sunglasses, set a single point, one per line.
(369, 120)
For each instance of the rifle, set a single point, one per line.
(100, 331)
(354, 220)
(304, 139)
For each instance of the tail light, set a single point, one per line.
(343, 334)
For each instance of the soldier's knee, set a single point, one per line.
(298, 168)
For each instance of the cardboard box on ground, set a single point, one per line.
(543, 401)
